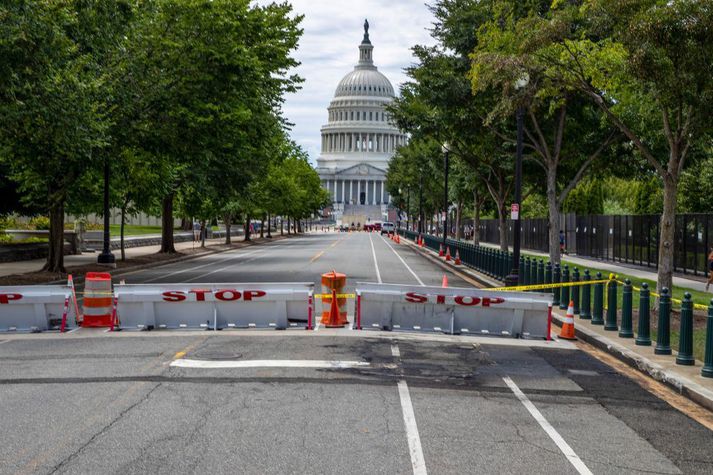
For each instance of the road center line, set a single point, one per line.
(4, 341)
(403, 262)
(220, 364)
(547, 427)
(376, 264)
(316, 256)
(418, 463)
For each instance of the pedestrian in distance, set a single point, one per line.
(563, 247)
(710, 268)
(196, 231)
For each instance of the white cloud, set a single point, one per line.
(329, 49)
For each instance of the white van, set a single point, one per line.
(387, 227)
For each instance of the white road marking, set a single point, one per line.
(219, 364)
(221, 269)
(188, 269)
(4, 341)
(395, 352)
(418, 463)
(376, 264)
(547, 427)
(404, 263)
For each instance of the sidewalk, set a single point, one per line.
(613, 267)
(35, 265)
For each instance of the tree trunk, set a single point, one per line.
(269, 227)
(204, 231)
(553, 209)
(167, 245)
(121, 229)
(459, 217)
(227, 222)
(502, 226)
(667, 236)
(476, 218)
(289, 227)
(55, 258)
(247, 227)
(299, 226)
(282, 226)
(262, 226)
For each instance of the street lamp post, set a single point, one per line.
(446, 151)
(106, 257)
(408, 208)
(420, 202)
(514, 276)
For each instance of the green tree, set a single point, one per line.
(648, 66)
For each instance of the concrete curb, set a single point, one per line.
(682, 385)
(128, 270)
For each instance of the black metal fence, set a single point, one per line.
(632, 239)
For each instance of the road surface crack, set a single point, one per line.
(104, 430)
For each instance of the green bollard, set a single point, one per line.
(526, 272)
(548, 273)
(627, 304)
(598, 305)
(575, 291)
(586, 313)
(541, 272)
(707, 371)
(685, 339)
(521, 274)
(643, 338)
(663, 329)
(611, 324)
(564, 293)
(556, 290)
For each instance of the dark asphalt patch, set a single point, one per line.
(685, 442)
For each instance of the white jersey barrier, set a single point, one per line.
(453, 310)
(36, 308)
(214, 306)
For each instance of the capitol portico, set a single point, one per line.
(359, 139)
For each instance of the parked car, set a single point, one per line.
(388, 227)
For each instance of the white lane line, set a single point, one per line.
(221, 269)
(4, 341)
(220, 364)
(547, 427)
(376, 264)
(188, 269)
(418, 463)
(395, 352)
(404, 262)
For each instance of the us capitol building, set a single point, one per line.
(358, 142)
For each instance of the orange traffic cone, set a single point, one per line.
(457, 261)
(448, 253)
(444, 283)
(421, 241)
(567, 332)
(334, 320)
(398, 239)
(440, 251)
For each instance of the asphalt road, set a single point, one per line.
(207, 402)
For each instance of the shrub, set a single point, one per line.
(41, 223)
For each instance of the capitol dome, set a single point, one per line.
(364, 82)
(359, 139)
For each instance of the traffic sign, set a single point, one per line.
(515, 211)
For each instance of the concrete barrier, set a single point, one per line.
(214, 306)
(36, 308)
(453, 310)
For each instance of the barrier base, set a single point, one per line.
(96, 321)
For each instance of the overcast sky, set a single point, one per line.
(329, 48)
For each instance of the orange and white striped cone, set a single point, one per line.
(567, 332)
(457, 261)
(440, 250)
(448, 254)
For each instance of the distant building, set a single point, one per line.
(359, 140)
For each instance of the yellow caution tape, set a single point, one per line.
(339, 296)
(673, 300)
(548, 286)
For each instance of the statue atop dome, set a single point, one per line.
(366, 32)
